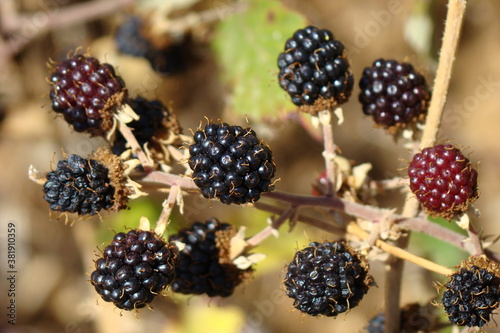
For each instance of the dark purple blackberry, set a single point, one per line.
(130, 39)
(156, 122)
(230, 163)
(85, 186)
(134, 269)
(327, 279)
(473, 293)
(314, 70)
(204, 266)
(443, 180)
(87, 93)
(393, 93)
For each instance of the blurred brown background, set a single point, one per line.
(53, 294)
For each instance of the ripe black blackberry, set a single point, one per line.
(134, 269)
(87, 93)
(327, 279)
(204, 265)
(230, 163)
(314, 70)
(473, 292)
(156, 122)
(443, 180)
(393, 93)
(130, 38)
(87, 186)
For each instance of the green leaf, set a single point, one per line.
(247, 46)
(128, 219)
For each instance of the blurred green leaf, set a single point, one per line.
(129, 218)
(247, 46)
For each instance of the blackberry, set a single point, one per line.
(86, 186)
(174, 57)
(443, 180)
(230, 163)
(473, 292)
(87, 93)
(327, 279)
(314, 70)
(393, 93)
(204, 266)
(414, 319)
(134, 269)
(156, 122)
(130, 39)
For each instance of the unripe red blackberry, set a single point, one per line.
(204, 266)
(87, 93)
(156, 122)
(393, 93)
(473, 292)
(134, 269)
(87, 186)
(230, 163)
(314, 70)
(443, 180)
(327, 279)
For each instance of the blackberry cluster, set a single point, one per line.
(231, 163)
(130, 39)
(155, 122)
(134, 269)
(314, 70)
(86, 93)
(80, 185)
(204, 266)
(471, 296)
(443, 180)
(393, 93)
(327, 279)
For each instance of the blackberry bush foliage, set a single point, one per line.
(443, 180)
(87, 93)
(204, 265)
(134, 269)
(314, 70)
(472, 293)
(393, 93)
(230, 163)
(327, 279)
(86, 186)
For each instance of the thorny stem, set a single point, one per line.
(168, 205)
(300, 217)
(454, 19)
(475, 240)
(330, 150)
(374, 214)
(271, 229)
(56, 18)
(354, 229)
